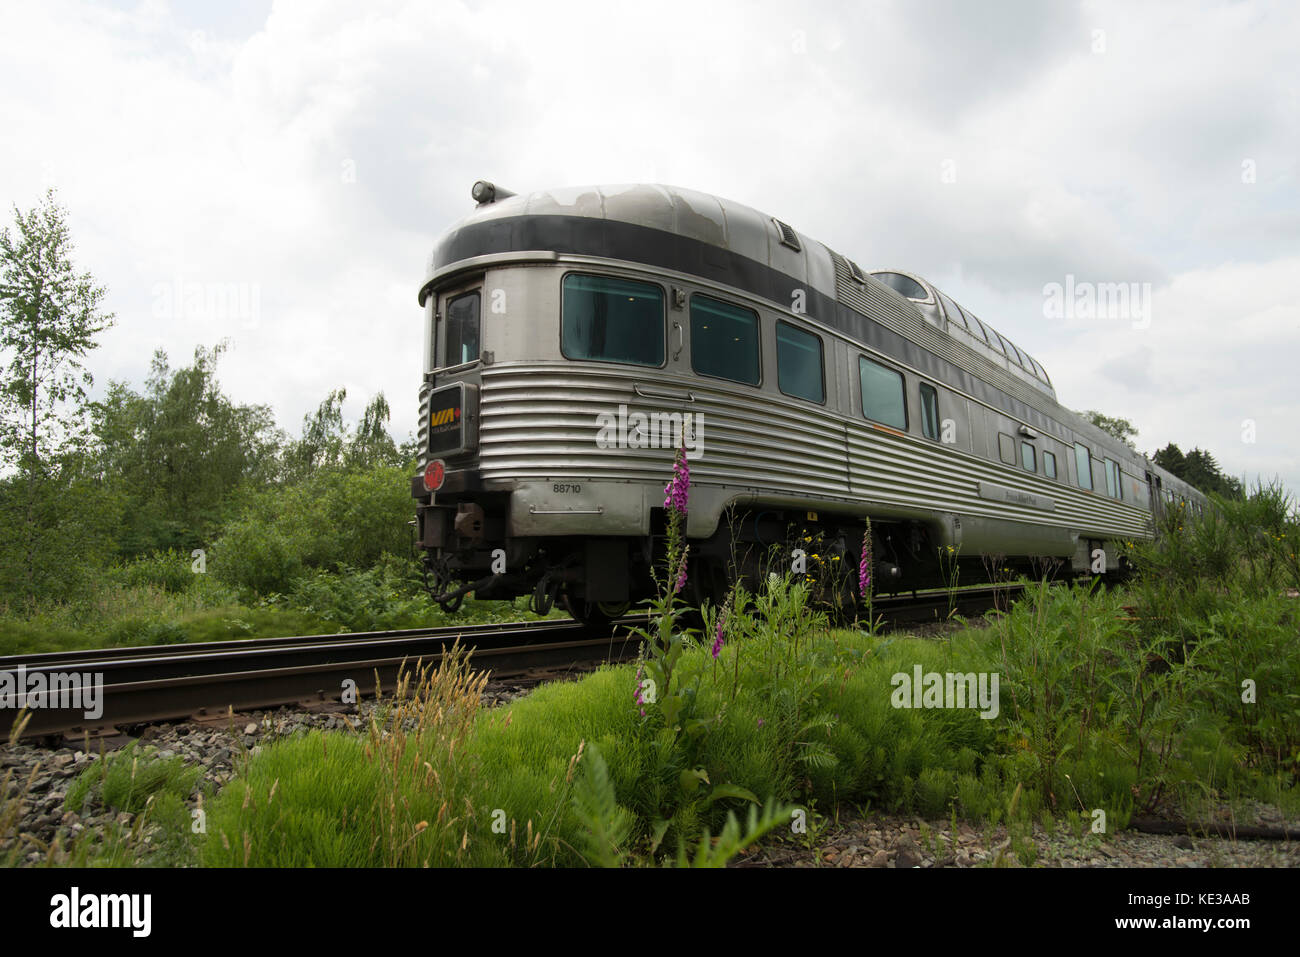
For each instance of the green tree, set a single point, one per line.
(328, 442)
(323, 440)
(1198, 469)
(1122, 429)
(1170, 458)
(49, 317)
(180, 450)
(371, 445)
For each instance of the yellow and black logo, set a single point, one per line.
(443, 419)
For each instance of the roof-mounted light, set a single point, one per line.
(485, 192)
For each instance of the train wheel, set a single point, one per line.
(594, 614)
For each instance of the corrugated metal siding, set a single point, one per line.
(911, 472)
(422, 430)
(541, 421)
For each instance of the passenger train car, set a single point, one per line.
(573, 338)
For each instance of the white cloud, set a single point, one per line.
(219, 151)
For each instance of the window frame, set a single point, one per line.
(921, 387)
(1049, 456)
(821, 354)
(1033, 452)
(1009, 350)
(927, 298)
(455, 296)
(1080, 472)
(1117, 478)
(947, 301)
(961, 318)
(983, 329)
(758, 340)
(902, 381)
(663, 301)
(1002, 458)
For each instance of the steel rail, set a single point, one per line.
(213, 678)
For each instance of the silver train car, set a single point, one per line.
(574, 338)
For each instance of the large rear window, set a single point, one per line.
(462, 329)
(612, 320)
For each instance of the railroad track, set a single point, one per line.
(158, 683)
(937, 604)
(206, 681)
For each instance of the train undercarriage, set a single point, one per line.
(597, 578)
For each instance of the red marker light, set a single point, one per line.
(434, 473)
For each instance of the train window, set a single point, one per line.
(462, 329)
(977, 326)
(1009, 349)
(1049, 465)
(905, 285)
(1028, 457)
(1112, 479)
(1006, 448)
(995, 340)
(952, 309)
(724, 340)
(955, 313)
(882, 394)
(1083, 464)
(929, 411)
(799, 370)
(612, 320)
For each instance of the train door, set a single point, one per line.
(449, 400)
(1153, 488)
(458, 327)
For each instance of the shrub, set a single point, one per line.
(169, 570)
(332, 518)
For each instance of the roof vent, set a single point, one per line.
(858, 275)
(788, 235)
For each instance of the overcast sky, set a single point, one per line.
(296, 160)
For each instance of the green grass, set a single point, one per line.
(128, 779)
(1126, 701)
(1086, 723)
(121, 614)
